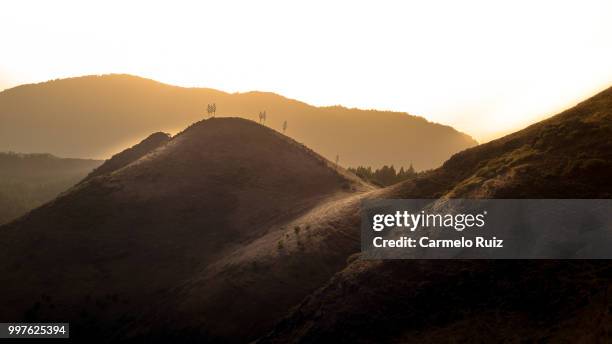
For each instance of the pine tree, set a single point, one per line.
(411, 172)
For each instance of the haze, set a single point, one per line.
(485, 68)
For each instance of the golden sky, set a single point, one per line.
(485, 67)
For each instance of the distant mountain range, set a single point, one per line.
(30, 180)
(233, 232)
(96, 116)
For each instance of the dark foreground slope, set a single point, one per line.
(566, 156)
(29, 180)
(96, 115)
(111, 253)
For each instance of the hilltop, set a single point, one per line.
(93, 116)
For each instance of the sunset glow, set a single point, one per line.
(484, 67)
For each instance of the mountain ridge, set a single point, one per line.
(131, 154)
(121, 109)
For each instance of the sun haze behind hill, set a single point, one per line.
(484, 67)
(30, 180)
(96, 116)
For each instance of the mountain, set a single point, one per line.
(29, 180)
(566, 156)
(232, 232)
(156, 234)
(95, 116)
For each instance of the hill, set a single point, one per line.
(118, 247)
(95, 116)
(29, 180)
(566, 156)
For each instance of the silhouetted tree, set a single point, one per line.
(411, 171)
(284, 126)
(211, 109)
(337, 160)
(262, 117)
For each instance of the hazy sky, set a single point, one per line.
(485, 67)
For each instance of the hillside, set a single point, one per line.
(566, 156)
(96, 116)
(123, 245)
(130, 155)
(29, 180)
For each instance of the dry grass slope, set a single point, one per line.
(566, 156)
